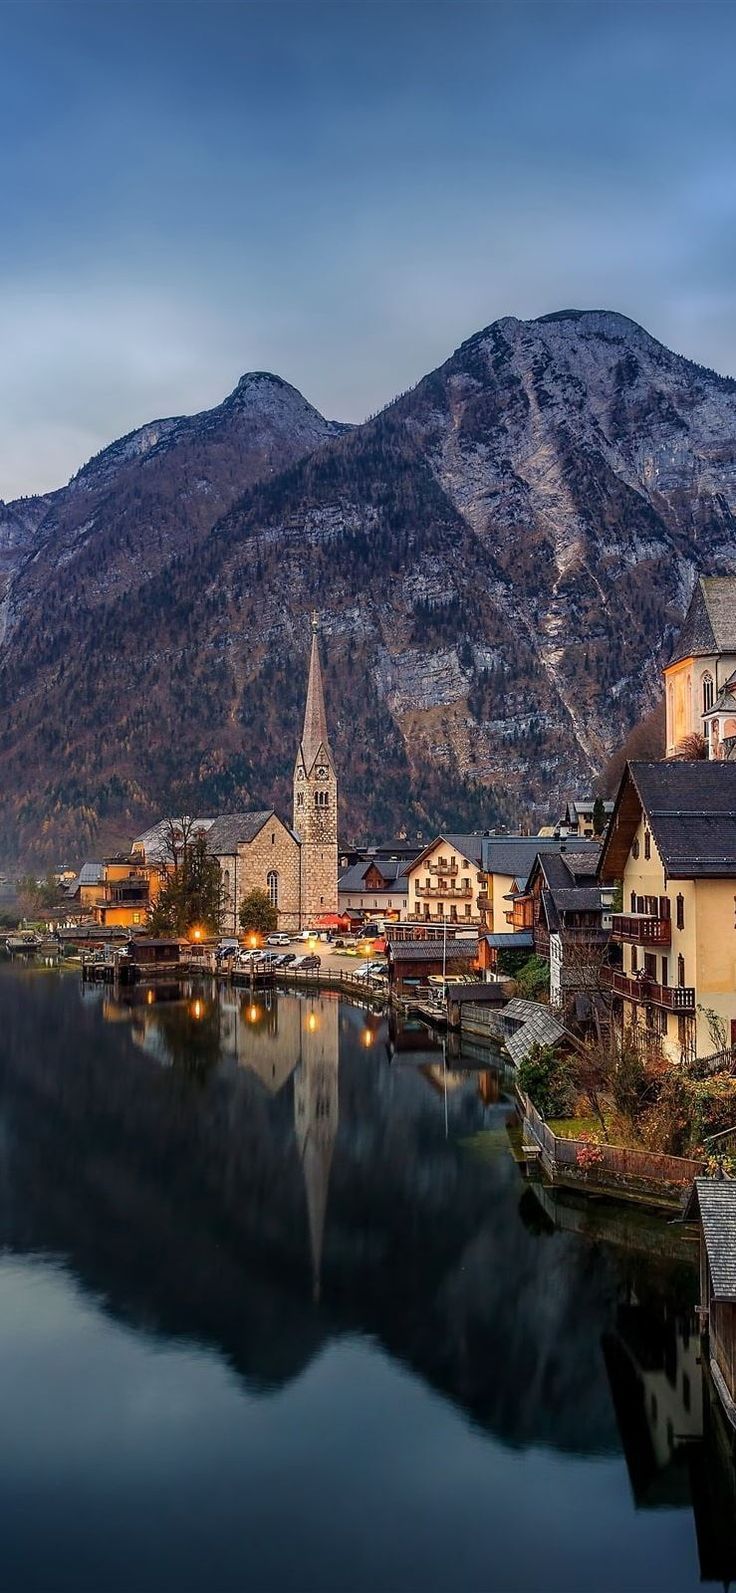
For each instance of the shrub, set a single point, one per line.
(545, 1078)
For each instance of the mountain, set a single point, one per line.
(500, 558)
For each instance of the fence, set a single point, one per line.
(635, 1171)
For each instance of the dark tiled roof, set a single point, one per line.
(715, 1199)
(691, 808)
(710, 623)
(431, 950)
(514, 854)
(725, 701)
(393, 872)
(518, 940)
(234, 830)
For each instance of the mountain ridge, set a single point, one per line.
(500, 556)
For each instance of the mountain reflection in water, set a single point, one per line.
(269, 1176)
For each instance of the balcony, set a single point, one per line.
(446, 892)
(675, 998)
(641, 929)
(442, 868)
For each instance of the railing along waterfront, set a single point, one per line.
(641, 929)
(639, 987)
(620, 1166)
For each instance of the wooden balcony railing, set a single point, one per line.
(641, 929)
(453, 892)
(442, 868)
(676, 998)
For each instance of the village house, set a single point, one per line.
(701, 670)
(374, 887)
(578, 818)
(568, 913)
(114, 892)
(446, 881)
(672, 841)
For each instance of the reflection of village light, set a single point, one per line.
(367, 1038)
(312, 1022)
(150, 998)
(197, 1010)
(253, 1014)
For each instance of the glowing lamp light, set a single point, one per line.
(254, 1013)
(197, 1010)
(196, 933)
(150, 998)
(253, 941)
(312, 1022)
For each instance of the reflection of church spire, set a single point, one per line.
(316, 1116)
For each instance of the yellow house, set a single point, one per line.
(672, 841)
(702, 662)
(446, 880)
(115, 892)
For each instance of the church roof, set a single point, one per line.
(232, 830)
(710, 623)
(725, 701)
(314, 734)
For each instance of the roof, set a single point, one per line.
(314, 734)
(714, 1200)
(725, 701)
(89, 874)
(392, 870)
(710, 623)
(514, 854)
(432, 950)
(153, 841)
(519, 940)
(537, 1026)
(691, 808)
(235, 829)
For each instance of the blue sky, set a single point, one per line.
(341, 193)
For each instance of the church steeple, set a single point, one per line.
(314, 734)
(315, 801)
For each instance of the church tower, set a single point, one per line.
(315, 801)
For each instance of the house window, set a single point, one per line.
(680, 970)
(136, 918)
(680, 905)
(635, 847)
(273, 837)
(647, 844)
(272, 882)
(633, 901)
(633, 959)
(665, 970)
(707, 692)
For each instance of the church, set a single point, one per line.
(700, 678)
(296, 865)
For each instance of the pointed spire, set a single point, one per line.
(314, 734)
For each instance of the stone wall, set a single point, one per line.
(274, 848)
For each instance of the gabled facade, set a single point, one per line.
(672, 841)
(374, 886)
(703, 661)
(446, 880)
(569, 914)
(256, 851)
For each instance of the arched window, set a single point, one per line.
(707, 692)
(272, 881)
(321, 799)
(681, 970)
(226, 883)
(647, 844)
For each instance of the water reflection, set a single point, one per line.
(271, 1177)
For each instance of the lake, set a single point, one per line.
(280, 1312)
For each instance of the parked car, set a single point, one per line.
(229, 946)
(288, 959)
(311, 963)
(278, 938)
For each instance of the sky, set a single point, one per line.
(341, 193)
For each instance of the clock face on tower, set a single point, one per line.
(321, 772)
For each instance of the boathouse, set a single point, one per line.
(712, 1204)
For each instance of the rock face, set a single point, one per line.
(500, 558)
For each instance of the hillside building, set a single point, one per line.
(700, 678)
(672, 841)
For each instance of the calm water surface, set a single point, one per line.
(278, 1312)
